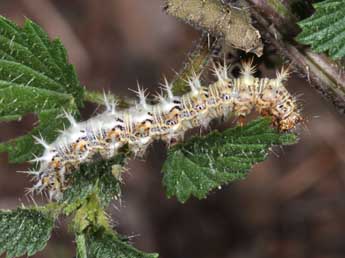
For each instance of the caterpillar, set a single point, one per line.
(168, 120)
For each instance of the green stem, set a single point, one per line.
(197, 59)
(53, 208)
(98, 98)
(91, 213)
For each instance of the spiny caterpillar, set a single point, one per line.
(138, 126)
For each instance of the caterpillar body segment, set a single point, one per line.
(168, 120)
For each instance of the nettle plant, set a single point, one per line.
(79, 165)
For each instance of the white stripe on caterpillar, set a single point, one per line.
(168, 120)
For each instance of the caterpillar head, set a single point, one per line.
(290, 121)
(287, 114)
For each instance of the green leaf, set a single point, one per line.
(325, 29)
(204, 163)
(97, 177)
(24, 231)
(101, 243)
(95, 237)
(22, 148)
(35, 77)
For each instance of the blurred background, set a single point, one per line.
(292, 205)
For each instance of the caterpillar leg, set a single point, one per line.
(265, 112)
(241, 121)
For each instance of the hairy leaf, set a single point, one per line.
(35, 77)
(101, 243)
(204, 163)
(24, 231)
(97, 177)
(325, 29)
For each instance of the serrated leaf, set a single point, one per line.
(101, 243)
(35, 77)
(196, 167)
(325, 29)
(24, 231)
(92, 178)
(22, 148)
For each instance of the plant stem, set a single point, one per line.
(278, 26)
(90, 213)
(98, 98)
(197, 59)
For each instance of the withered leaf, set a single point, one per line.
(234, 24)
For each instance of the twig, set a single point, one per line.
(278, 26)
